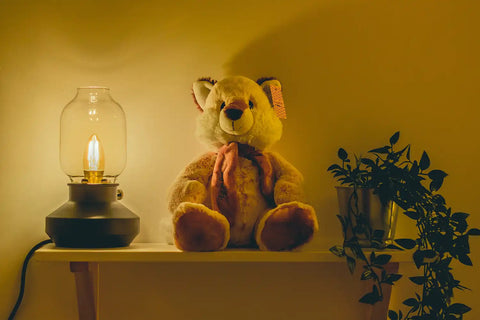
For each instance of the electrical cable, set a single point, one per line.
(24, 275)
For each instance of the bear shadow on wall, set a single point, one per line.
(350, 73)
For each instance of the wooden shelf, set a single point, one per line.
(157, 252)
(84, 264)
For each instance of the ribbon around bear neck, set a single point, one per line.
(223, 188)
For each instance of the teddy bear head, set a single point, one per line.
(237, 109)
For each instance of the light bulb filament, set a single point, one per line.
(93, 160)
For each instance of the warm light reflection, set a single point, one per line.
(93, 160)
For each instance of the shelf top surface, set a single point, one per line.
(158, 252)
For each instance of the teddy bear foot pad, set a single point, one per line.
(287, 227)
(198, 228)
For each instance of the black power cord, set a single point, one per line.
(24, 275)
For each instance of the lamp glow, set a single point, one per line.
(93, 161)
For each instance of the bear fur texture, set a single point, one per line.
(239, 195)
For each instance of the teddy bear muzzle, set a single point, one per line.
(236, 118)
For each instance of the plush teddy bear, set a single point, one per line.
(240, 195)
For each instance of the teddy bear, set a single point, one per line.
(239, 194)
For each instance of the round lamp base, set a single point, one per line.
(92, 218)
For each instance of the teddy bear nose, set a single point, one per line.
(233, 114)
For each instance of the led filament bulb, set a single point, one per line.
(93, 161)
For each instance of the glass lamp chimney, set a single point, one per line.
(93, 137)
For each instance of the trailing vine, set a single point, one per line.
(443, 235)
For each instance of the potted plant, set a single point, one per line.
(392, 176)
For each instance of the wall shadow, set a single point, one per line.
(355, 73)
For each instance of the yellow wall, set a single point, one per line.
(353, 72)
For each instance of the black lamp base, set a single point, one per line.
(92, 218)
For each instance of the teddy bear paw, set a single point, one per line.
(198, 228)
(286, 227)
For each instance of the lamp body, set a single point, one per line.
(92, 155)
(92, 218)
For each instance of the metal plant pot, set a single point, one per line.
(380, 220)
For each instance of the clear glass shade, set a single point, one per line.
(93, 139)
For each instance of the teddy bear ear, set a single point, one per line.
(265, 83)
(200, 91)
(273, 89)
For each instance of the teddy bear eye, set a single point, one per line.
(250, 103)
(222, 105)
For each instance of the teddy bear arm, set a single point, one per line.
(191, 185)
(288, 180)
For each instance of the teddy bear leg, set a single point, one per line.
(198, 228)
(286, 227)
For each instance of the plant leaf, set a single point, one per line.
(392, 246)
(458, 308)
(366, 275)
(429, 254)
(333, 167)
(418, 258)
(406, 243)
(372, 256)
(411, 302)
(435, 185)
(394, 138)
(371, 297)
(382, 259)
(338, 251)
(420, 280)
(342, 154)
(380, 150)
(424, 161)
(391, 278)
(459, 216)
(368, 162)
(437, 174)
(401, 152)
(462, 226)
(465, 259)
(392, 315)
(358, 252)
(474, 232)
(412, 214)
(351, 264)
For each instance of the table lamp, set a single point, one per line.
(92, 155)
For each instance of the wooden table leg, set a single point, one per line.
(379, 310)
(86, 282)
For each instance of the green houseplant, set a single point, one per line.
(443, 235)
